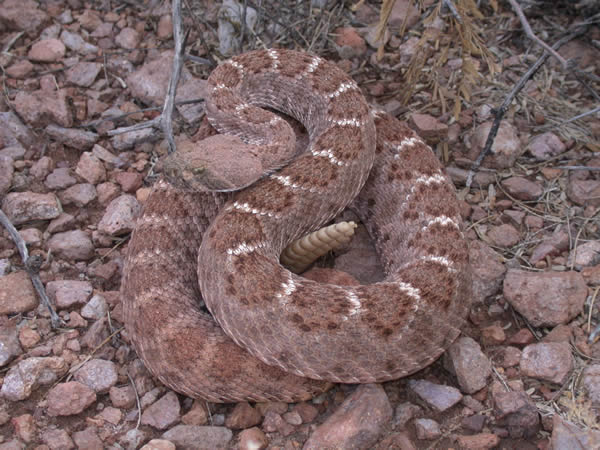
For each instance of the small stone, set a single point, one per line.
(20, 69)
(120, 216)
(90, 168)
(129, 181)
(67, 399)
(243, 416)
(28, 338)
(83, 74)
(584, 192)
(505, 150)
(587, 254)
(75, 42)
(358, 422)
(549, 361)
(17, 294)
(567, 435)
(159, 444)
(22, 379)
(22, 207)
(428, 127)
(87, 439)
(504, 235)
(480, 441)
(128, 38)
(79, 195)
(187, 437)
(67, 293)
(253, 439)
(25, 428)
(60, 178)
(427, 429)
(72, 137)
(57, 439)
(517, 411)
(437, 396)
(10, 347)
(38, 108)
(522, 189)
(163, 413)
(545, 299)
(95, 309)
(196, 415)
(47, 50)
(307, 412)
(73, 245)
(405, 412)
(98, 374)
(123, 397)
(349, 43)
(546, 146)
(493, 335)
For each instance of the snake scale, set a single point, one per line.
(271, 334)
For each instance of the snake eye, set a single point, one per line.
(198, 170)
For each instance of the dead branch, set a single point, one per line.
(499, 112)
(32, 265)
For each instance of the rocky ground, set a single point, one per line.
(523, 375)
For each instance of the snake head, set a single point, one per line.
(218, 163)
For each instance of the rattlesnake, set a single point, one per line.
(293, 336)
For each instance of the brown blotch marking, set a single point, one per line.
(327, 78)
(304, 327)
(348, 105)
(226, 74)
(344, 142)
(332, 326)
(296, 65)
(244, 301)
(371, 202)
(390, 365)
(338, 370)
(253, 114)
(296, 318)
(255, 62)
(225, 100)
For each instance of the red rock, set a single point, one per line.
(67, 293)
(20, 69)
(505, 150)
(549, 361)
(569, 436)
(584, 192)
(72, 137)
(165, 27)
(438, 396)
(480, 441)
(22, 15)
(552, 245)
(253, 439)
(493, 335)
(39, 108)
(196, 415)
(546, 146)
(98, 374)
(28, 338)
(591, 383)
(472, 368)
(163, 413)
(60, 178)
(129, 181)
(16, 293)
(427, 429)
(47, 50)
(517, 411)
(522, 189)
(307, 412)
(586, 254)
(66, 399)
(159, 444)
(75, 42)
(545, 299)
(90, 168)
(83, 74)
(350, 43)
(428, 127)
(25, 428)
(124, 397)
(120, 216)
(400, 10)
(358, 422)
(78, 195)
(273, 422)
(87, 439)
(21, 207)
(10, 347)
(504, 235)
(73, 245)
(186, 437)
(57, 439)
(243, 416)
(6, 174)
(128, 39)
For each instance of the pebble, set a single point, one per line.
(437, 396)
(47, 50)
(358, 422)
(187, 437)
(120, 216)
(548, 361)
(38, 108)
(98, 374)
(83, 74)
(79, 195)
(22, 207)
(90, 168)
(163, 413)
(73, 245)
(505, 150)
(10, 346)
(60, 178)
(253, 439)
(527, 293)
(546, 146)
(17, 294)
(243, 416)
(26, 376)
(67, 399)
(427, 429)
(68, 293)
(522, 189)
